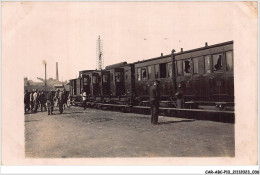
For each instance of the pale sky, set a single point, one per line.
(66, 32)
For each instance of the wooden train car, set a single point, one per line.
(202, 76)
(147, 71)
(117, 79)
(205, 75)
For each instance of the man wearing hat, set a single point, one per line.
(50, 102)
(154, 101)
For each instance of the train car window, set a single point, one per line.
(138, 74)
(149, 72)
(163, 70)
(144, 73)
(229, 58)
(217, 62)
(75, 89)
(126, 75)
(111, 77)
(186, 67)
(207, 64)
(105, 78)
(169, 70)
(95, 80)
(195, 65)
(118, 76)
(179, 68)
(85, 81)
(156, 67)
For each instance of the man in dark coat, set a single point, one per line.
(65, 99)
(61, 98)
(154, 101)
(26, 101)
(31, 101)
(43, 100)
(50, 102)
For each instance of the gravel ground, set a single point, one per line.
(100, 133)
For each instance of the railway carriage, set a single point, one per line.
(203, 76)
(117, 79)
(147, 71)
(117, 83)
(86, 81)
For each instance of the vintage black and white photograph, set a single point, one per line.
(130, 79)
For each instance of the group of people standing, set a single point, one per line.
(34, 100)
(45, 101)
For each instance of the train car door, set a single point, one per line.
(105, 83)
(95, 84)
(78, 86)
(197, 80)
(129, 79)
(73, 89)
(229, 75)
(119, 82)
(206, 82)
(86, 83)
(218, 82)
(183, 73)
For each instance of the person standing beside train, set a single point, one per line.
(179, 96)
(154, 101)
(84, 98)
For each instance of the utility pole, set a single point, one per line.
(45, 72)
(45, 84)
(57, 71)
(100, 58)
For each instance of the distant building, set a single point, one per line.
(52, 84)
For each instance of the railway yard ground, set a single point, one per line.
(101, 133)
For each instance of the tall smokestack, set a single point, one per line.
(45, 64)
(45, 75)
(57, 72)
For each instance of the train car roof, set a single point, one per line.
(102, 70)
(151, 59)
(116, 65)
(205, 47)
(187, 51)
(86, 71)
